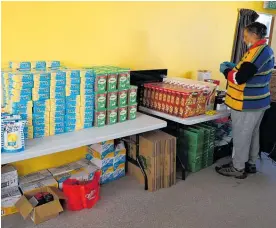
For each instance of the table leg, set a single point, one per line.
(138, 161)
(180, 157)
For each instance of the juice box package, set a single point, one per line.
(132, 112)
(120, 155)
(21, 107)
(100, 118)
(100, 101)
(132, 95)
(86, 91)
(122, 114)
(12, 135)
(111, 116)
(112, 99)
(122, 98)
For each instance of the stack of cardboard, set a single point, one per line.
(158, 154)
(273, 86)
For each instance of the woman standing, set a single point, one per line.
(248, 97)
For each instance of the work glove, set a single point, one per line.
(230, 64)
(223, 67)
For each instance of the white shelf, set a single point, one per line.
(186, 121)
(58, 143)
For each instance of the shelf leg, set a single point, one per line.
(140, 163)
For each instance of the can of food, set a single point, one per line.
(168, 102)
(122, 98)
(132, 95)
(112, 98)
(164, 99)
(145, 96)
(112, 82)
(177, 103)
(123, 80)
(152, 95)
(100, 82)
(122, 114)
(100, 101)
(112, 116)
(100, 118)
(132, 112)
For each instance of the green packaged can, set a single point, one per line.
(100, 118)
(122, 114)
(100, 101)
(132, 95)
(112, 81)
(100, 81)
(112, 100)
(123, 79)
(122, 98)
(112, 116)
(132, 112)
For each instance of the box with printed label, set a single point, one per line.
(9, 176)
(119, 171)
(44, 212)
(41, 76)
(47, 181)
(72, 74)
(71, 92)
(9, 197)
(22, 65)
(34, 176)
(101, 160)
(103, 147)
(120, 155)
(20, 76)
(58, 76)
(107, 175)
(21, 85)
(41, 84)
(68, 167)
(83, 173)
(38, 65)
(22, 98)
(53, 64)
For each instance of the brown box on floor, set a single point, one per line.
(157, 151)
(43, 212)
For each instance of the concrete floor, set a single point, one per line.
(204, 200)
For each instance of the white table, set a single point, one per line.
(184, 121)
(58, 143)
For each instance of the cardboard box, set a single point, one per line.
(48, 181)
(103, 147)
(158, 154)
(43, 212)
(69, 167)
(83, 173)
(9, 197)
(101, 157)
(9, 176)
(34, 177)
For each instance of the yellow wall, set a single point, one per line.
(180, 36)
